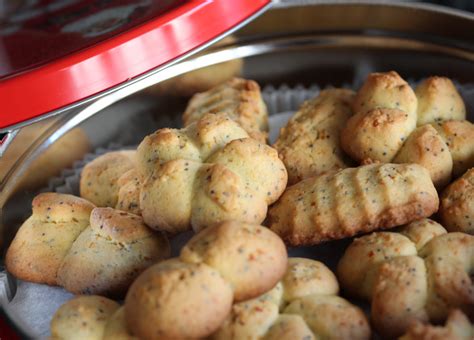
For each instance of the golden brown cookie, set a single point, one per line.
(116, 327)
(384, 116)
(422, 231)
(351, 201)
(194, 293)
(83, 317)
(207, 173)
(457, 204)
(438, 100)
(86, 250)
(111, 253)
(304, 303)
(99, 178)
(405, 284)
(240, 99)
(242, 254)
(458, 135)
(309, 144)
(175, 300)
(129, 192)
(45, 238)
(377, 135)
(385, 90)
(457, 327)
(426, 147)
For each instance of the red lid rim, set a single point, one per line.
(87, 74)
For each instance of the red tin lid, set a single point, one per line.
(54, 53)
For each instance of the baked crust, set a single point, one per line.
(304, 302)
(234, 245)
(351, 201)
(110, 254)
(205, 174)
(426, 147)
(240, 99)
(83, 317)
(405, 284)
(458, 136)
(384, 116)
(457, 204)
(86, 250)
(191, 296)
(45, 238)
(309, 144)
(457, 327)
(438, 100)
(99, 178)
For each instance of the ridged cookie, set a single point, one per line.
(240, 99)
(191, 296)
(426, 147)
(309, 144)
(457, 204)
(438, 100)
(207, 173)
(351, 201)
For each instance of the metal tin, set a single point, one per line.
(328, 43)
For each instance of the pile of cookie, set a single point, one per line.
(346, 164)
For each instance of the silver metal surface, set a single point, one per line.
(291, 43)
(6, 141)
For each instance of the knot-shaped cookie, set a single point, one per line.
(457, 204)
(350, 201)
(100, 178)
(309, 144)
(240, 99)
(457, 327)
(207, 173)
(418, 274)
(384, 126)
(86, 250)
(304, 305)
(190, 296)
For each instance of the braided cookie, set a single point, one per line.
(407, 278)
(457, 204)
(458, 327)
(99, 178)
(92, 318)
(438, 100)
(207, 173)
(190, 296)
(309, 144)
(353, 200)
(384, 116)
(240, 99)
(304, 305)
(70, 243)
